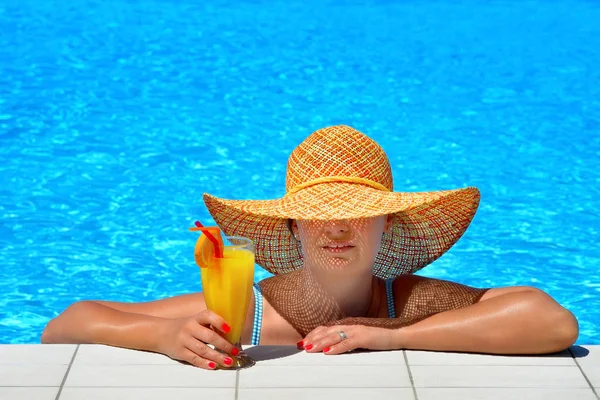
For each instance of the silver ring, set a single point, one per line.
(342, 335)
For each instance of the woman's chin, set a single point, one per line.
(339, 264)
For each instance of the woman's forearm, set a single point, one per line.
(90, 322)
(529, 322)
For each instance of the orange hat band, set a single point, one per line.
(347, 179)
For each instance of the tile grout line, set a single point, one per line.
(412, 383)
(62, 384)
(237, 383)
(584, 375)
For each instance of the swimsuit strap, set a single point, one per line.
(258, 312)
(389, 290)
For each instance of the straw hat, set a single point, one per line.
(339, 173)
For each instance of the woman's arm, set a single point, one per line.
(131, 325)
(179, 327)
(91, 322)
(439, 315)
(514, 320)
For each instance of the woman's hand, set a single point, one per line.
(329, 340)
(187, 339)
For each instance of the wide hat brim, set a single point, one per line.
(425, 224)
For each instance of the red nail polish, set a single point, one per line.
(212, 365)
(308, 347)
(226, 328)
(300, 344)
(228, 361)
(235, 352)
(325, 350)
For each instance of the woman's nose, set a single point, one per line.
(337, 227)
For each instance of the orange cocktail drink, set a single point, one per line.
(227, 273)
(227, 285)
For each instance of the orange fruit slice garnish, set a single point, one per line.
(204, 251)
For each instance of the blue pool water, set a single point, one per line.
(115, 117)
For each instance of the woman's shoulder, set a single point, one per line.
(411, 282)
(417, 296)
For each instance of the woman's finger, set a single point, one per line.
(211, 337)
(316, 335)
(343, 346)
(196, 360)
(204, 352)
(208, 317)
(343, 340)
(327, 338)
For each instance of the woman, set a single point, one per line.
(343, 247)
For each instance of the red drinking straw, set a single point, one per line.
(213, 240)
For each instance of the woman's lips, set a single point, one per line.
(338, 248)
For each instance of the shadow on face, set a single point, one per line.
(342, 245)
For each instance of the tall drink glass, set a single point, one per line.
(227, 286)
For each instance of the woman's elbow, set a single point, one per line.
(48, 333)
(55, 331)
(567, 330)
(561, 324)
(552, 327)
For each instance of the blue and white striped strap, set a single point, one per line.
(258, 312)
(389, 289)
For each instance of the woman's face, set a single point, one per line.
(348, 244)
